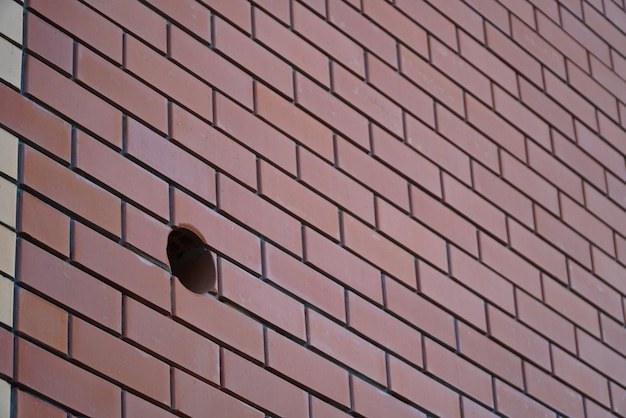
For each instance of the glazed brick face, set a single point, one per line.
(414, 208)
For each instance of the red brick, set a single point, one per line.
(119, 87)
(452, 296)
(194, 398)
(77, 194)
(455, 67)
(6, 353)
(499, 130)
(35, 123)
(583, 34)
(336, 186)
(606, 210)
(259, 214)
(168, 339)
(475, 207)
(553, 392)
(407, 161)
(262, 387)
(210, 67)
(443, 220)
(138, 407)
(66, 383)
(581, 376)
(564, 238)
(168, 77)
(617, 190)
(600, 150)
(540, 102)
(121, 266)
(612, 34)
(120, 361)
(571, 100)
(467, 138)
(492, 356)
(332, 111)
(520, 60)
(480, 57)
(620, 246)
(84, 23)
(466, 18)
(520, 116)
(237, 11)
(545, 321)
(368, 100)
(378, 250)
(523, 10)
(458, 372)
(190, 14)
(363, 31)
(510, 265)
(481, 279)
(343, 266)
(586, 224)
(374, 323)
(73, 101)
(369, 401)
(296, 123)
(420, 312)
(304, 282)
(41, 320)
(608, 269)
(550, 168)
(399, 25)
(49, 42)
(530, 183)
(421, 389)
(613, 333)
(593, 289)
(44, 223)
(401, 90)
(253, 57)
(220, 233)
(539, 48)
(324, 36)
(519, 338)
(342, 345)
(320, 409)
(234, 328)
(373, 174)
(438, 149)
(307, 368)
(503, 195)
(472, 409)
(146, 233)
(135, 18)
(213, 146)
(299, 200)
(580, 162)
(615, 13)
(96, 159)
(515, 404)
(69, 286)
(291, 47)
(563, 42)
(433, 21)
(27, 405)
(170, 161)
(262, 300)
(618, 395)
(595, 410)
(571, 306)
(492, 11)
(281, 9)
(255, 134)
(591, 89)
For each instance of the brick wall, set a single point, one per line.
(416, 208)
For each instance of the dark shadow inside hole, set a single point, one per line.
(190, 260)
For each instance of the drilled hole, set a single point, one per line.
(190, 260)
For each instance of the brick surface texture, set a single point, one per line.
(416, 208)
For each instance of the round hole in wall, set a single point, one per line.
(190, 259)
